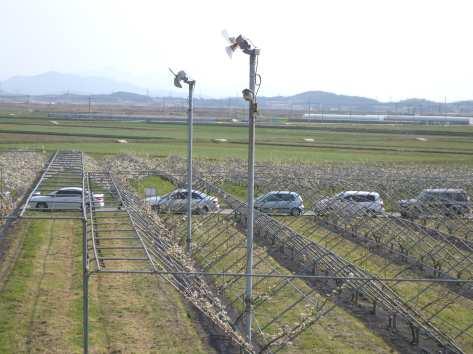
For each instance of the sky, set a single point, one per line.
(383, 49)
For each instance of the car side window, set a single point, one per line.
(427, 197)
(196, 196)
(69, 193)
(359, 198)
(288, 197)
(446, 196)
(272, 198)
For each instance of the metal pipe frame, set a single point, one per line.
(376, 291)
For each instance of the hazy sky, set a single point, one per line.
(381, 49)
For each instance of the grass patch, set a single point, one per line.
(41, 302)
(240, 190)
(37, 298)
(16, 288)
(161, 185)
(339, 142)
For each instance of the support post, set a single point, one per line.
(189, 168)
(85, 288)
(250, 214)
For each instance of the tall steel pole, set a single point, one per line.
(250, 214)
(85, 271)
(189, 167)
(85, 289)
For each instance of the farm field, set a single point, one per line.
(40, 303)
(446, 309)
(335, 142)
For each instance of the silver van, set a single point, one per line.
(434, 202)
(176, 202)
(351, 203)
(283, 202)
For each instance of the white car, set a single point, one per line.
(351, 203)
(176, 202)
(64, 198)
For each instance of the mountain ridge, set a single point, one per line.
(53, 82)
(71, 88)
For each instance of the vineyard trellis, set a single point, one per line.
(347, 253)
(220, 245)
(407, 246)
(143, 246)
(415, 321)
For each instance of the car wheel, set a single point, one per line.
(42, 206)
(296, 212)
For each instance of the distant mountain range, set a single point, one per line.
(320, 101)
(57, 83)
(75, 89)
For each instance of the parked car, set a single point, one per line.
(176, 202)
(351, 203)
(64, 198)
(432, 202)
(280, 202)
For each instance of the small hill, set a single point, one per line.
(328, 98)
(54, 83)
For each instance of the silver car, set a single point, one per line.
(176, 202)
(432, 202)
(280, 202)
(64, 198)
(350, 203)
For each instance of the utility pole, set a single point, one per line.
(251, 198)
(189, 166)
(90, 103)
(181, 76)
(250, 96)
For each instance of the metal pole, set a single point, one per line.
(85, 288)
(189, 167)
(250, 214)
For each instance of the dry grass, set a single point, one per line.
(41, 302)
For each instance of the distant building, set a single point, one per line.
(384, 118)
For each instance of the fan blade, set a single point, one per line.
(231, 40)
(230, 49)
(225, 35)
(177, 82)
